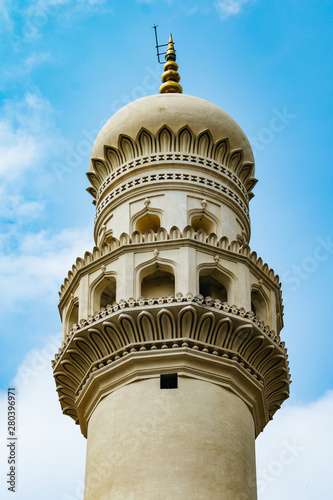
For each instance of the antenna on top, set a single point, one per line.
(158, 53)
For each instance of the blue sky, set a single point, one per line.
(67, 66)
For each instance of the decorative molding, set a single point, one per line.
(193, 212)
(167, 146)
(147, 210)
(174, 178)
(208, 325)
(189, 360)
(162, 235)
(179, 297)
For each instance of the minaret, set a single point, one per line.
(171, 359)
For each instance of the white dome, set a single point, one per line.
(175, 111)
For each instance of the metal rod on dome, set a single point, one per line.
(158, 53)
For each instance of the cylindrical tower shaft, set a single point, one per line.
(194, 442)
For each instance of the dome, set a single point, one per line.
(175, 111)
(170, 127)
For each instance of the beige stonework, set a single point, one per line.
(194, 442)
(171, 287)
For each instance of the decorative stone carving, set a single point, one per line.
(183, 145)
(227, 331)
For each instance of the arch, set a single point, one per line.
(158, 282)
(215, 282)
(103, 292)
(127, 147)
(185, 138)
(201, 221)
(201, 218)
(203, 143)
(94, 180)
(73, 314)
(234, 161)
(113, 156)
(146, 142)
(165, 139)
(221, 150)
(100, 168)
(147, 218)
(148, 221)
(157, 279)
(259, 303)
(246, 171)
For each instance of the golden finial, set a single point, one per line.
(171, 77)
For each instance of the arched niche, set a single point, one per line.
(73, 316)
(103, 293)
(214, 283)
(148, 221)
(147, 218)
(259, 304)
(157, 280)
(202, 219)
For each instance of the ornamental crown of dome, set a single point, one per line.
(171, 123)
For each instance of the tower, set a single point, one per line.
(171, 360)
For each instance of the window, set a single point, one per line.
(169, 381)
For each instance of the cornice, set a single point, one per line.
(187, 359)
(166, 145)
(181, 163)
(161, 323)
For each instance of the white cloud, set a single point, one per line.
(30, 210)
(27, 135)
(19, 71)
(14, 208)
(25, 23)
(294, 453)
(50, 447)
(39, 14)
(227, 8)
(32, 262)
(192, 11)
(36, 271)
(36, 59)
(28, 139)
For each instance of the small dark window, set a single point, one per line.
(169, 381)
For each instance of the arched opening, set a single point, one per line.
(148, 221)
(258, 305)
(74, 316)
(104, 293)
(212, 283)
(200, 221)
(158, 282)
(108, 295)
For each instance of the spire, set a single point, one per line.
(171, 77)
